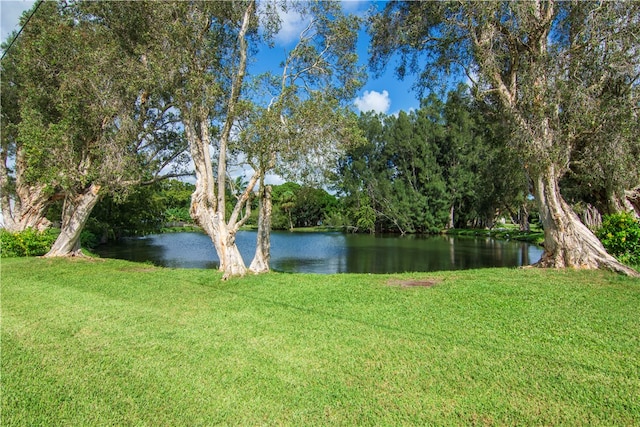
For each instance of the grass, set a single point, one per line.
(106, 342)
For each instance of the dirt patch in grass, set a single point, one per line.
(139, 269)
(414, 283)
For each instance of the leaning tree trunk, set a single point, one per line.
(75, 212)
(260, 263)
(567, 241)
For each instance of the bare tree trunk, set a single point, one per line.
(451, 223)
(231, 261)
(523, 218)
(26, 205)
(619, 203)
(28, 210)
(567, 241)
(75, 213)
(260, 263)
(204, 203)
(207, 206)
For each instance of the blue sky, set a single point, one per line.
(385, 94)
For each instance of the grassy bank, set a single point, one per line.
(93, 342)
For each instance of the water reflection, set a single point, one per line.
(333, 252)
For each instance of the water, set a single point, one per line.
(332, 252)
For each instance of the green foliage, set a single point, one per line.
(295, 205)
(88, 239)
(26, 243)
(86, 112)
(418, 169)
(175, 199)
(177, 215)
(366, 218)
(142, 210)
(620, 235)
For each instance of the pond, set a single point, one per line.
(332, 252)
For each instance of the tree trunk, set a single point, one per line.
(204, 205)
(452, 223)
(260, 263)
(25, 205)
(523, 218)
(27, 211)
(591, 217)
(207, 207)
(633, 197)
(75, 212)
(567, 241)
(224, 240)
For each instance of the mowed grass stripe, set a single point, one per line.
(111, 342)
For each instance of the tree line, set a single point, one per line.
(165, 206)
(100, 98)
(444, 165)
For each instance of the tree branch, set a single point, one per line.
(231, 107)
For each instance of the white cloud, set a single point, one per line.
(273, 179)
(292, 24)
(373, 101)
(355, 6)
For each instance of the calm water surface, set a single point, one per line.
(332, 252)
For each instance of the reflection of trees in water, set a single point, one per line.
(333, 252)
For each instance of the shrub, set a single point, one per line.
(88, 239)
(178, 215)
(620, 235)
(26, 243)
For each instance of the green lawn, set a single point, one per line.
(93, 342)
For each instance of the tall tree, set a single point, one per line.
(459, 156)
(88, 122)
(359, 172)
(560, 71)
(302, 125)
(24, 201)
(205, 52)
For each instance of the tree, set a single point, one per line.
(24, 202)
(287, 203)
(205, 48)
(88, 122)
(303, 124)
(560, 71)
(358, 172)
(460, 156)
(397, 175)
(501, 184)
(140, 211)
